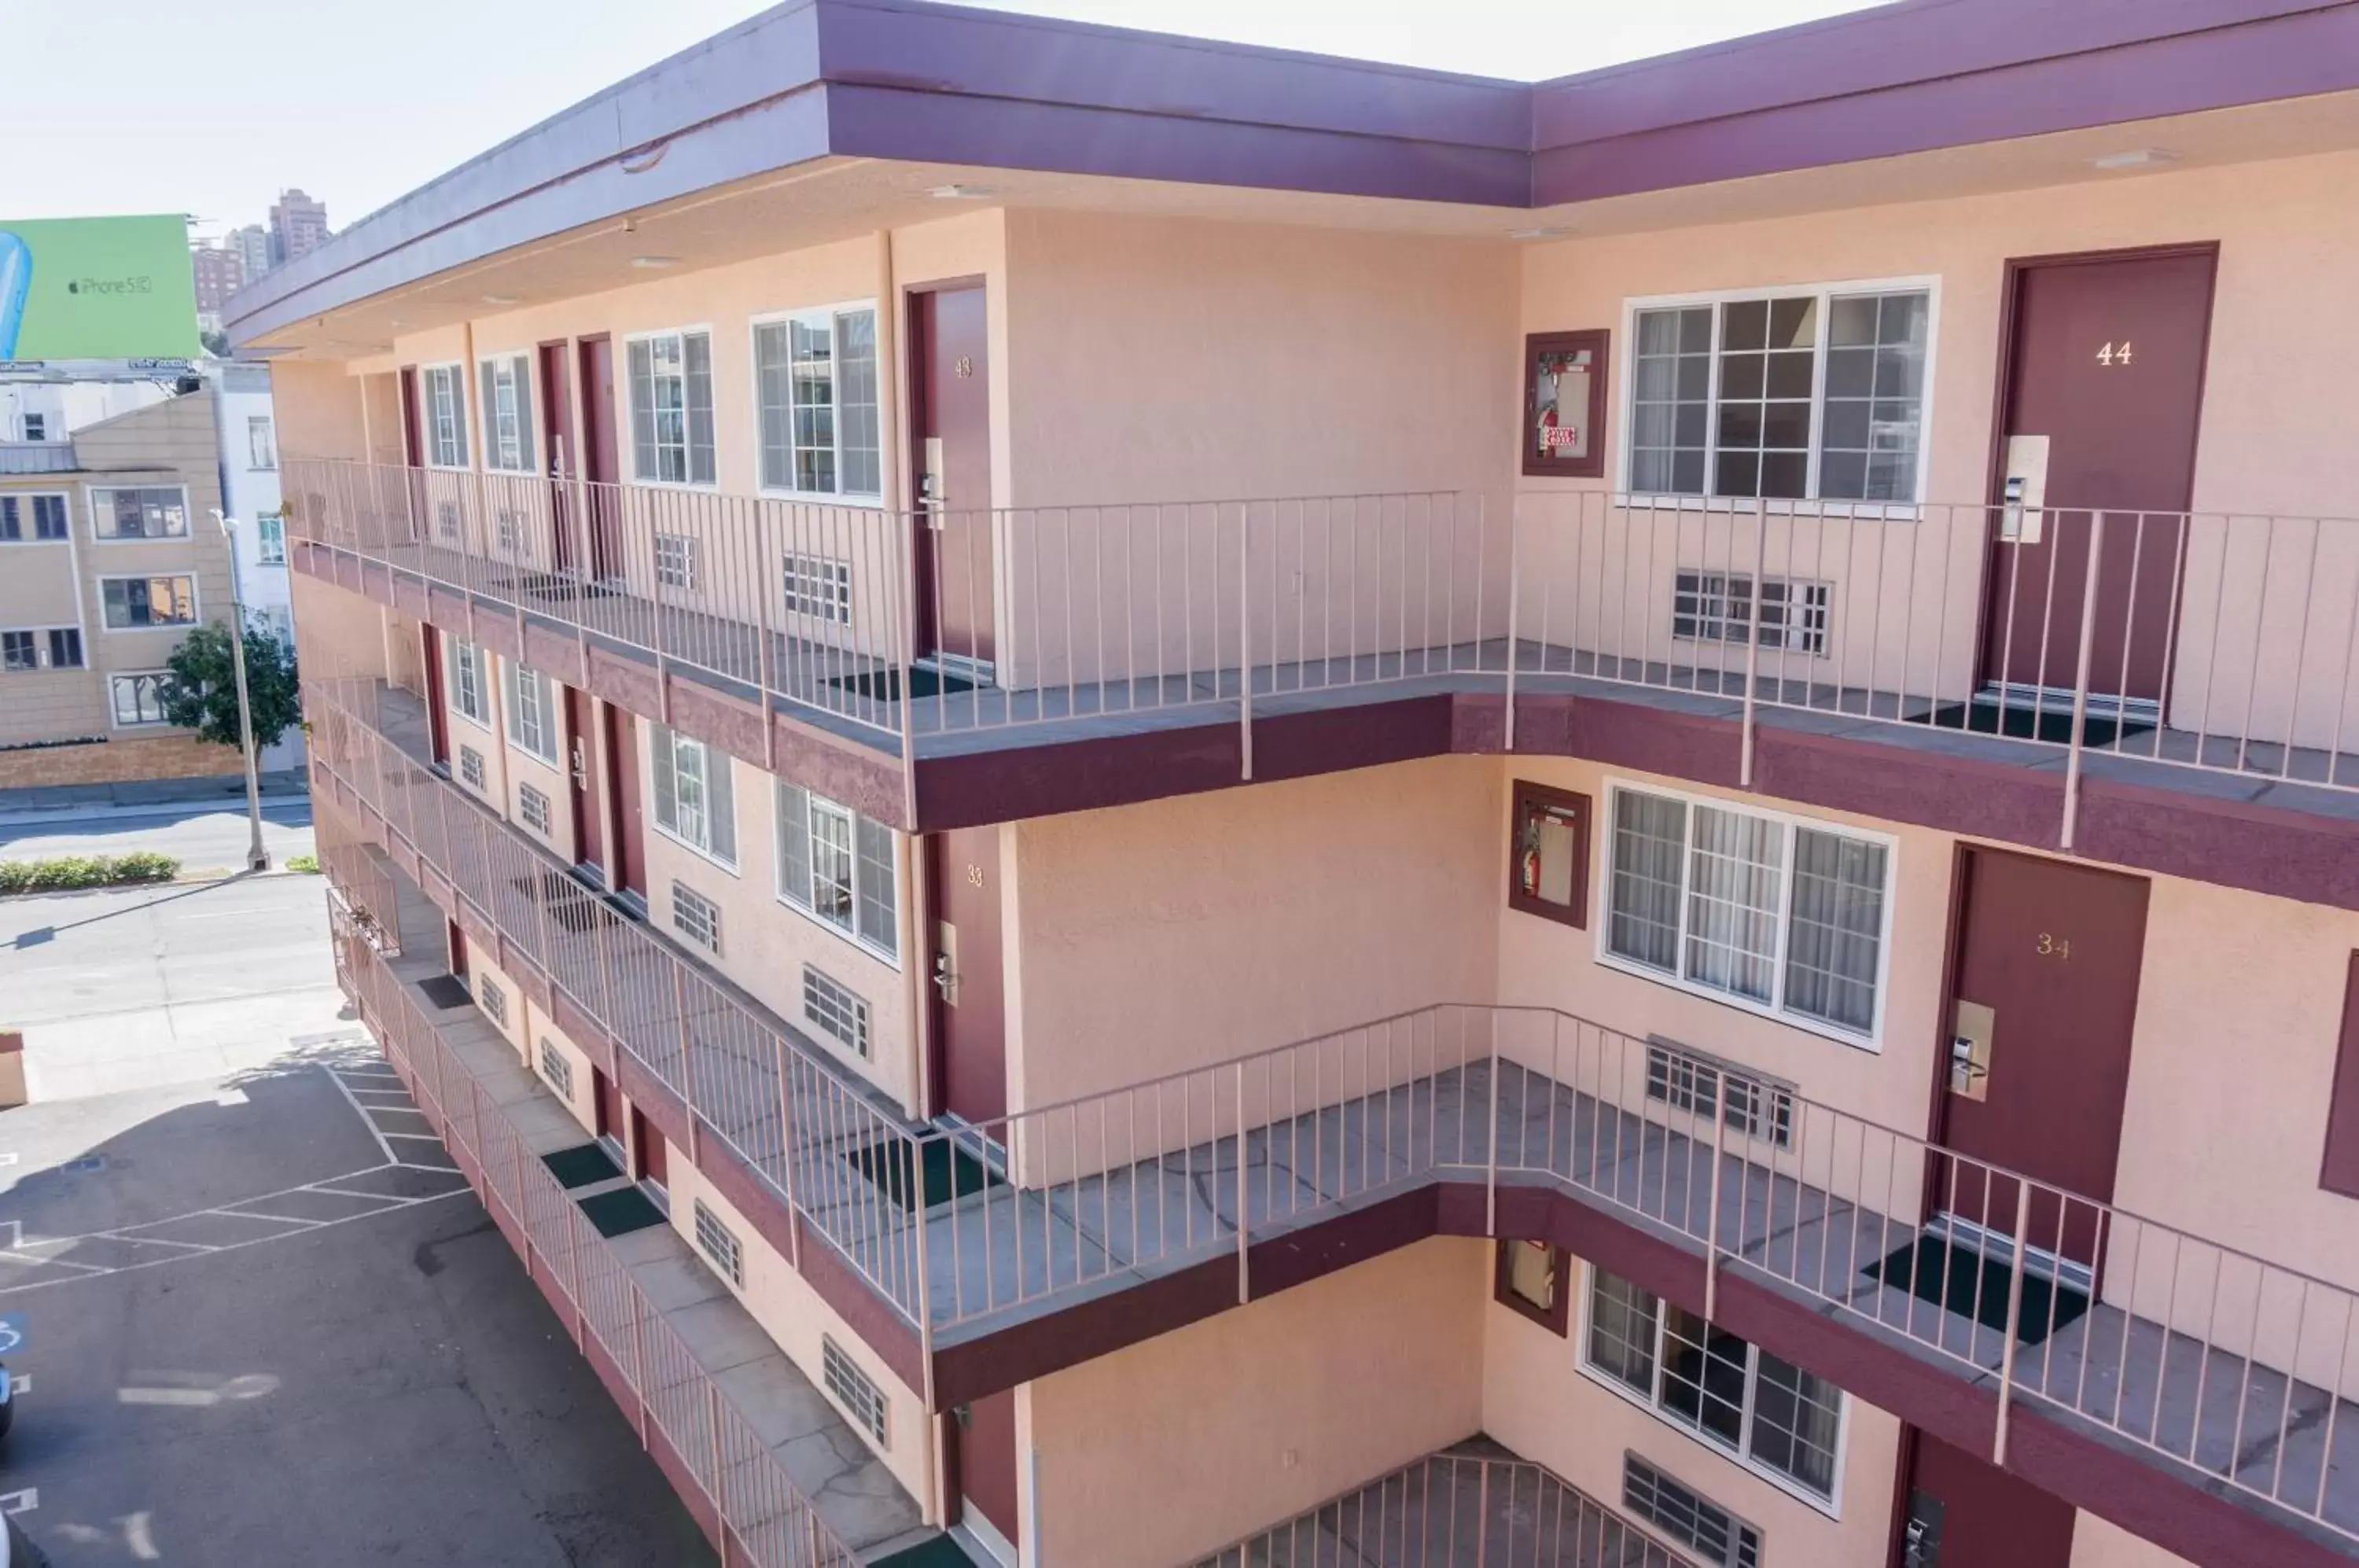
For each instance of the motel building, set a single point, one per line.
(1142, 802)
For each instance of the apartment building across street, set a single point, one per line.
(1144, 803)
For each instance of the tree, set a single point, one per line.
(201, 694)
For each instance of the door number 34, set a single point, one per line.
(2115, 354)
(2054, 946)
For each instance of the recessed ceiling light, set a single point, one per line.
(1538, 234)
(502, 299)
(655, 261)
(962, 192)
(2139, 158)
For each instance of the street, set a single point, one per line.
(260, 1319)
(203, 837)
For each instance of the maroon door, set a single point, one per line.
(581, 766)
(413, 453)
(629, 871)
(455, 940)
(2106, 361)
(2052, 948)
(648, 1151)
(562, 445)
(606, 1103)
(984, 1442)
(1965, 1512)
(969, 999)
(600, 467)
(950, 399)
(437, 707)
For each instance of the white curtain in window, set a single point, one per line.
(1834, 942)
(1649, 837)
(1735, 874)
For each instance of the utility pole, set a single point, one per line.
(257, 858)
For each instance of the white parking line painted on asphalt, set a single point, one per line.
(362, 1111)
(231, 1097)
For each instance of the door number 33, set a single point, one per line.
(2115, 354)
(2054, 946)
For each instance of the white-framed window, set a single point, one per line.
(138, 699)
(1768, 1414)
(696, 917)
(719, 1243)
(494, 1000)
(696, 798)
(504, 388)
(1776, 914)
(1687, 1516)
(468, 692)
(1706, 1086)
(261, 443)
(532, 717)
(857, 1392)
(40, 647)
(815, 390)
(140, 512)
(471, 767)
(34, 519)
(670, 390)
(841, 867)
(532, 806)
(819, 588)
(1717, 606)
(1806, 392)
(556, 1068)
(136, 604)
(443, 389)
(270, 539)
(836, 1010)
(676, 561)
(36, 427)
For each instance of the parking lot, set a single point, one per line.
(260, 1319)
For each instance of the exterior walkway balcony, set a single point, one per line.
(2188, 1390)
(2064, 689)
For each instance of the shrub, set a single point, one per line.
(72, 871)
(302, 863)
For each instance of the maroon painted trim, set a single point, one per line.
(896, 78)
(1590, 465)
(2338, 1169)
(1528, 802)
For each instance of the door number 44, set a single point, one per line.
(2115, 354)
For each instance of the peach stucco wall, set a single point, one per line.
(2099, 1543)
(764, 943)
(1538, 1401)
(1251, 1417)
(1152, 938)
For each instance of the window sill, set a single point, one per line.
(1870, 1044)
(1830, 1508)
(849, 938)
(484, 725)
(1870, 511)
(547, 759)
(693, 486)
(849, 501)
(133, 538)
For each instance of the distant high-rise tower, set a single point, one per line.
(297, 225)
(221, 272)
(252, 244)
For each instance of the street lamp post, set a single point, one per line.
(257, 858)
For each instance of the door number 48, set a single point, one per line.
(2115, 354)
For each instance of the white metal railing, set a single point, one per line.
(37, 457)
(1454, 1509)
(759, 1516)
(2237, 1366)
(2216, 641)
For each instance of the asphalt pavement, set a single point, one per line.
(204, 836)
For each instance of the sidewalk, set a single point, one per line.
(142, 797)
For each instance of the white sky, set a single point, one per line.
(163, 105)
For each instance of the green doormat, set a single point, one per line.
(581, 1167)
(2053, 725)
(1955, 1278)
(939, 1553)
(885, 1163)
(620, 1211)
(885, 685)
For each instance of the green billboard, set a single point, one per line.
(97, 288)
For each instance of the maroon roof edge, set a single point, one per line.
(919, 81)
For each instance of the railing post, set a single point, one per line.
(1244, 640)
(1491, 1143)
(1753, 650)
(1244, 1280)
(764, 584)
(639, 1360)
(2081, 678)
(719, 1491)
(687, 1063)
(925, 1291)
(1712, 1210)
(787, 1152)
(1483, 1513)
(2014, 1317)
(1515, 563)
